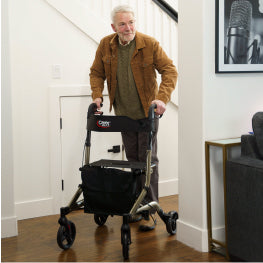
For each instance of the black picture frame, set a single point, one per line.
(239, 45)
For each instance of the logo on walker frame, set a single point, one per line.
(103, 124)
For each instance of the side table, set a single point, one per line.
(225, 145)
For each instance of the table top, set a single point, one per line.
(231, 141)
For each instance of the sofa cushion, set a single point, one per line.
(257, 124)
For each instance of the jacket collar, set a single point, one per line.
(138, 39)
(114, 40)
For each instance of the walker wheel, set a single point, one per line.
(100, 219)
(66, 235)
(125, 245)
(171, 222)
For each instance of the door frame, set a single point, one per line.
(55, 156)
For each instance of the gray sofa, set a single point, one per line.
(244, 195)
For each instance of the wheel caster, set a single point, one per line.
(125, 245)
(171, 222)
(66, 235)
(100, 219)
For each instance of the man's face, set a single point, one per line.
(124, 26)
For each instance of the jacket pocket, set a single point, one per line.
(148, 73)
(107, 62)
(147, 62)
(148, 68)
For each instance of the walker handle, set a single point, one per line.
(151, 112)
(92, 109)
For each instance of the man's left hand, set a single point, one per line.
(161, 107)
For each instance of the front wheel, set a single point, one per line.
(66, 235)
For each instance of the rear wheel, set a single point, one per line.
(171, 222)
(100, 219)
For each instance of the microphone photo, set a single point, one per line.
(238, 32)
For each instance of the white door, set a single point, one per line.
(73, 135)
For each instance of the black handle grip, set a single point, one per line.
(93, 108)
(151, 111)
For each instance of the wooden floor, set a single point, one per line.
(36, 241)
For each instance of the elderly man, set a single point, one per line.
(128, 59)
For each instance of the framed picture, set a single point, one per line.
(239, 36)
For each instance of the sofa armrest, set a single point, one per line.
(249, 146)
(244, 198)
(257, 124)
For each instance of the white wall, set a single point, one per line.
(9, 219)
(44, 33)
(212, 106)
(191, 207)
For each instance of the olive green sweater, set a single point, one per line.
(127, 101)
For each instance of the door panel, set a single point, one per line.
(73, 135)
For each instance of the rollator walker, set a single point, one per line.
(108, 188)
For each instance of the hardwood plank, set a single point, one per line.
(36, 241)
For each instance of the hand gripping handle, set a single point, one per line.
(92, 109)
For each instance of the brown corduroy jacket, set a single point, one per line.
(148, 56)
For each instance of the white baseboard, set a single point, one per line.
(9, 226)
(192, 236)
(219, 233)
(168, 187)
(35, 208)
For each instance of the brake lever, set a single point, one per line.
(98, 112)
(158, 116)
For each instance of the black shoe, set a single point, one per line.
(148, 225)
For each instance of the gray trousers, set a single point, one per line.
(135, 145)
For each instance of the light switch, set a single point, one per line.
(56, 71)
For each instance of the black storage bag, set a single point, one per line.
(107, 190)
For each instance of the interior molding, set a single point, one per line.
(9, 226)
(34, 208)
(55, 93)
(168, 187)
(82, 17)
(192, 236)
(167, 9)
(219, 233)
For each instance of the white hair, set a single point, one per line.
(121, 9)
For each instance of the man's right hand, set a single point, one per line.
(98, 102)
